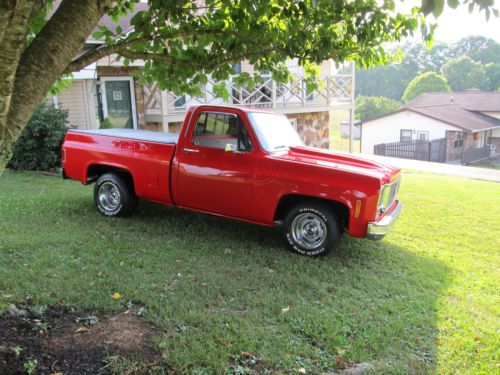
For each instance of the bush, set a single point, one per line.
(39, 146)
(105, 124)
(369, 107)
(426, 82)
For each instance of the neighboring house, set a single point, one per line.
(107, 89)
(445, 127)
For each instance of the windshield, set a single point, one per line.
(274, 131)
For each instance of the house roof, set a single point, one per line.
(477, 101)
(460, 109)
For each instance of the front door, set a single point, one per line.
(217, 166)
(118, 102)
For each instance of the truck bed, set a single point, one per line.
(146, 155)
(139, 135)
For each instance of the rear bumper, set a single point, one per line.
(62, 173)
(378, 229)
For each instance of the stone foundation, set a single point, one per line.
(313, 128)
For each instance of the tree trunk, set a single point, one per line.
(38, 67)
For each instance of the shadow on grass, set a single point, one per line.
(221, 287)
(369, 301)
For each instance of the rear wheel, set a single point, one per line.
(312, 229)
(114, 196)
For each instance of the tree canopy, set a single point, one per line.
(464, 73)
(184, 41)
(368, 108)
(392, 80)
(426, 82)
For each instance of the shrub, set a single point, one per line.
(105, 124)
(39, 146)
(369, 107)
(426, 82)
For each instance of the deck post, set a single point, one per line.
(273, 93)
(164, 111)
(351, 111)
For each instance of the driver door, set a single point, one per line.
(217, 166)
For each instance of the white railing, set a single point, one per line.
(333, 90)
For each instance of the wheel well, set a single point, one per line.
(291, 200)
(97, 170)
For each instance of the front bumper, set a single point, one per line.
(378, 229)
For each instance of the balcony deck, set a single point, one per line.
(334, 92)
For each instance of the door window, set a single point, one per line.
(119, 105)
(218, 130)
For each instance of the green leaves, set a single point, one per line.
(184, 43)
(426, 82)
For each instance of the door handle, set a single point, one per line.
(190, 150)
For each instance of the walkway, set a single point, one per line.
(487, 174)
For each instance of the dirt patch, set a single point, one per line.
(69, 342)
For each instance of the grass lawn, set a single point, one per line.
(337, 142)
(423, 300)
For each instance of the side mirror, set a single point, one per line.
(230, 148)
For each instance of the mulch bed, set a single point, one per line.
(64, 341)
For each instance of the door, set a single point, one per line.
(118, 102)
(217, 166)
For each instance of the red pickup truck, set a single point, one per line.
(243, 164)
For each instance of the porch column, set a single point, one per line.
(164, 111)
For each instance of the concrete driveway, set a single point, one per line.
(487, 174)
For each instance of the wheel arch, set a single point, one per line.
(96, 170)
(290, 200)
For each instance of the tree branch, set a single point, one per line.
(98, 53)
(45, 59)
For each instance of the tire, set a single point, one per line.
(312, 229)
(114, 196)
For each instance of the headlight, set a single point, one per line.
(387, 196)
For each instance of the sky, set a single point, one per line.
(454, 24)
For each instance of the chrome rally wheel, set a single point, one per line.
(309, 230)
(312, 229)
(109, 196)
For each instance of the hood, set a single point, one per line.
(341, 161)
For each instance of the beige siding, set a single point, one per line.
(76, 99)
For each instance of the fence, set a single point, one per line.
(473, 154)
(434, 150)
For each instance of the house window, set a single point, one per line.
(459, 140)
(406, 135)
(422, 135)
(237, 68)
(180, 101)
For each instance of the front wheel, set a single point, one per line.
(114, 196)
(312, 229)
